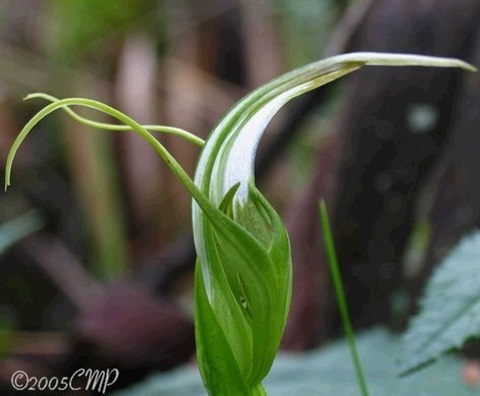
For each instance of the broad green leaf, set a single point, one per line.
(450, 310)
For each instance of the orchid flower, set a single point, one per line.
(239, 327)
(243, 276)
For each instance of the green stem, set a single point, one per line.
(340, 294)
(258, 390)
(112, 127)
(173, 164)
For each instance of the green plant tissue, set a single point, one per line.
(449, 312)
(329, 371)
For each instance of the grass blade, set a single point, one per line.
(340, 294)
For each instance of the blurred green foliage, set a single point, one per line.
(81, 27)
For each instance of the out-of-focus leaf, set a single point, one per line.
(86, 24)
(450, 309)
(328, 371)
(17, 229)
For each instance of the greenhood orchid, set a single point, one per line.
(243, 277)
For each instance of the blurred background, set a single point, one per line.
(96, 253)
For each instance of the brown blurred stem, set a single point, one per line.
(64, 269)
